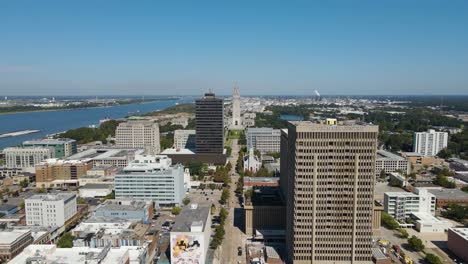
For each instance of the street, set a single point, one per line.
(234, 236)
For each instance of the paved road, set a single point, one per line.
(234, 237)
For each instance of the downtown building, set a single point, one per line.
(429, 143)
(50, 209)
(152, 177)
(63, 147)
(142, 134)
(184, 139)
(26, 158)
(209, 118)
(263, 139)
(327, 177)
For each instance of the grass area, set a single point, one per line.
(235, 134)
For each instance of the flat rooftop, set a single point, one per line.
(463, 232)
(96, 186)
(386, 155)
(124, 205)
(53, 197)
(401, 194)
(52, 141)
(188, 216)
(449, 194)
(266, 196)
(8, 237)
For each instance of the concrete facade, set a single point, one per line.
(50, 209)
(330, 187)
(151, 177)
(143, 134)
(27, 157)
(263, 139)
(63, 147)
(184, 139)
(429, 143)
(458, 242)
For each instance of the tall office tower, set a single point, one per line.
(330, 189)
(209, 124)
(430, 143)
(142, 134)
(236, 112)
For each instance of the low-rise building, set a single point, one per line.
(190, 235)
(9, 172)
(116, 157)
(262, 209)
(427, 223)
(99, 232)
(401, 205)
(252, 163)
(458, 242)
(444, 197)
(63, 147)
(53, 172)
(396, 179)
(50, 209)
(8, 209)
(96, 190)
(12, 242)
(151, 177)
(419, 161)
(133, 210)
(83, 255)
(389, 162)
(180, 121)
(250, 182)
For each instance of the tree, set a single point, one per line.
(456, 212)
(223, 213)
(186, 201)
(41, 190)
(81, 200)
(176, 210)
(224, 196)
(24, 183)
(432, 259)
(383, 174)
(403, 232)
(415, 243)
(389, 222)
(465, 189)
(109, 196)
(66, 241)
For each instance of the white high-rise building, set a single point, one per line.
(50, 209)
(429, 143)
(26, 157)
(236, 112)
(184, 139)
(151, 177)
(142, 134)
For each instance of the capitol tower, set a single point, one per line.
(236, 113)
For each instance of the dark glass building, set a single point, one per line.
(209, 117)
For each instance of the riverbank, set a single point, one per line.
(82, 108)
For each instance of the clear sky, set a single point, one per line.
(269, 47)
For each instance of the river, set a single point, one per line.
(49, 122)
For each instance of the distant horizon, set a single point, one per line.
(228, 95)
(154, 47)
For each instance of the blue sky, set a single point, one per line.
(269, 47)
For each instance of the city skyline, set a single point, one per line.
(154, 48)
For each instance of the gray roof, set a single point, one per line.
(188, 216)
(449, 194)
(96, 186)
(7, 207)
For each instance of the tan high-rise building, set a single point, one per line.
(142, 134)
(328, 181)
